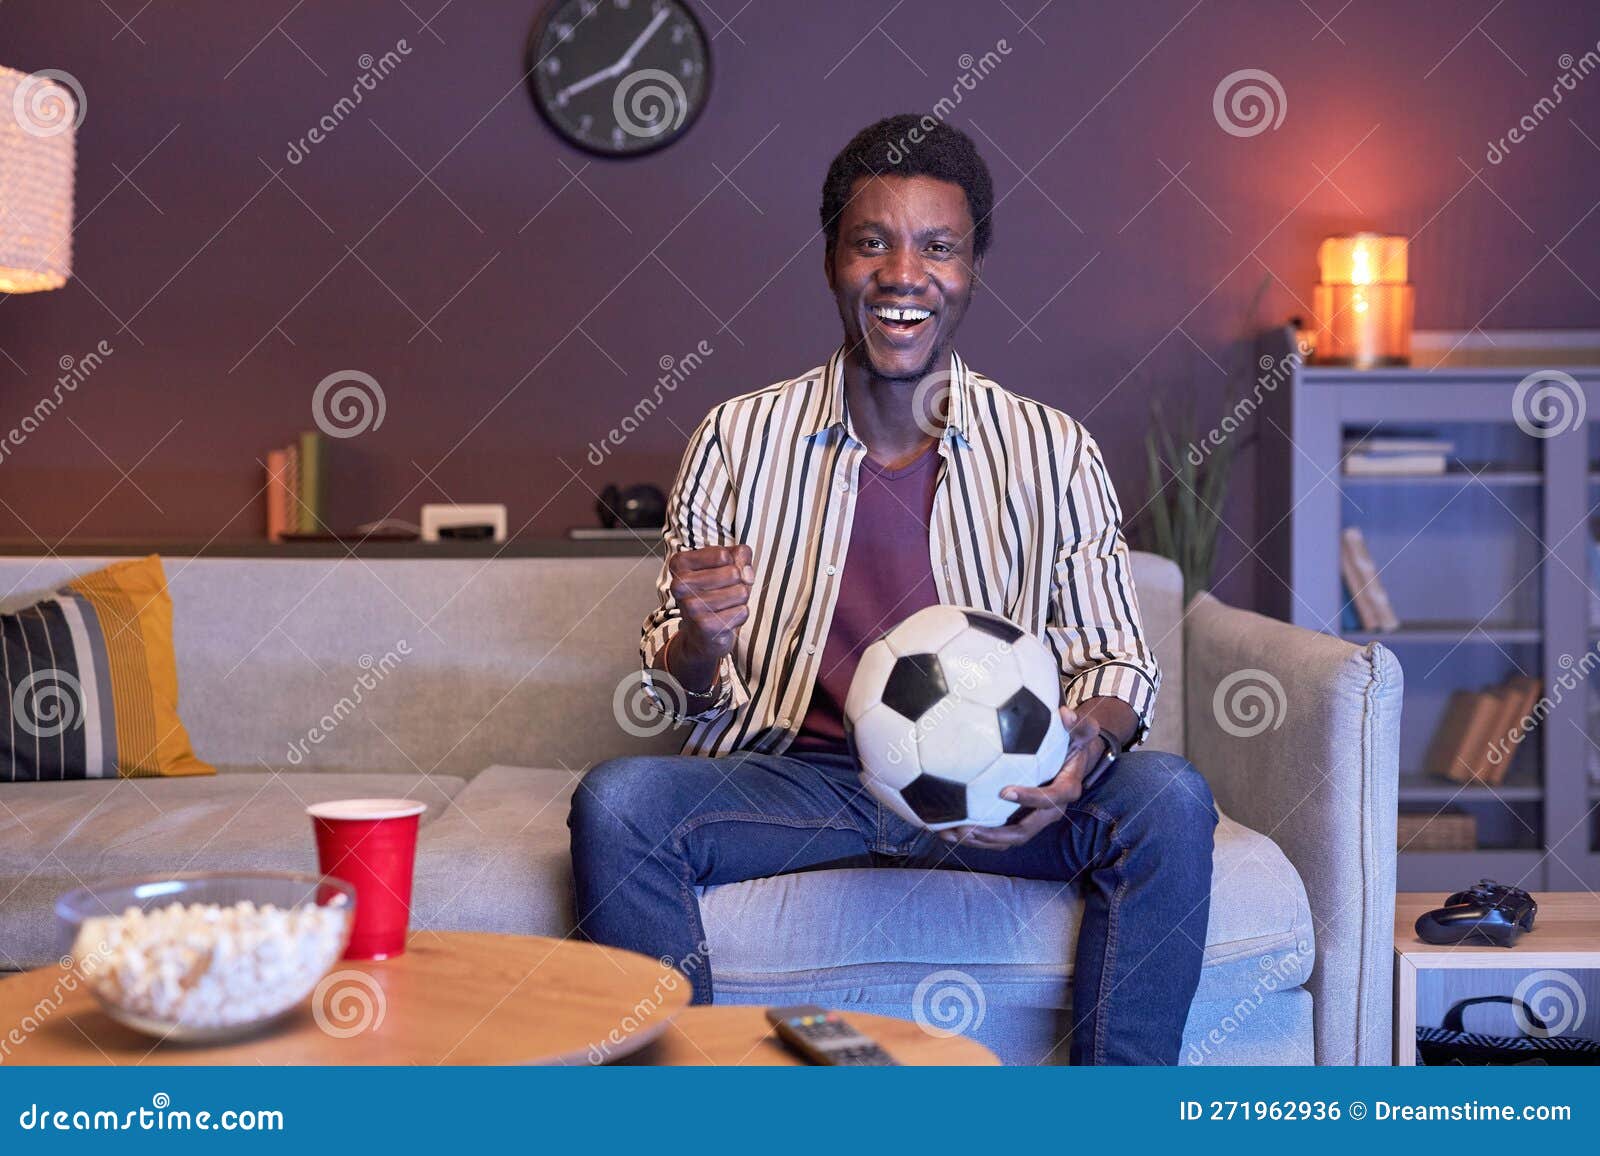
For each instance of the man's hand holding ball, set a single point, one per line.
(1045, 804)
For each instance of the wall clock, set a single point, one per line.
(619, 77)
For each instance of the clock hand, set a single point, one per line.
(642, 39)
(621, 65)
(605, 73)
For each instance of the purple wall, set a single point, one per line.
(227, 295)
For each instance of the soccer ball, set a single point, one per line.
(950, 706)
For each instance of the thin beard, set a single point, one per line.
(927, 368)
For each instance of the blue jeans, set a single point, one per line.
(648, 830)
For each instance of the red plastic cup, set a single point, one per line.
(371, 844)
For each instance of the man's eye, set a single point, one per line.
(939, 247)
(872, 243)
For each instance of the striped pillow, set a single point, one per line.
(91, 682)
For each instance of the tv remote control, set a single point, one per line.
(823, 1037)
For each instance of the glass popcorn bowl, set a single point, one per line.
(207, 956)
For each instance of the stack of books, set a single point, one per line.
(297, 488)
(1395, 455)
(1478, 737)
(1363, 588)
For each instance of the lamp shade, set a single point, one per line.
(39, 117)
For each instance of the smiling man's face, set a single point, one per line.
(903, 273)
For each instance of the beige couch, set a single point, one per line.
(498, 692)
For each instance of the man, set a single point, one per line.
(811, 517)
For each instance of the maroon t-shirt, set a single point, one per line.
(887, 577)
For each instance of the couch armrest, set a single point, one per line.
(1298, 734)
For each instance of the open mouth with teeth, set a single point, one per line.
(900, 318)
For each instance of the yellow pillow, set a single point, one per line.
(92, 682)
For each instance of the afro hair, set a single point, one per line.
(911, 145)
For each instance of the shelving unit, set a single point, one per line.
(1487, 566)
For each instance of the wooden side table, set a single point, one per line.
(741, 1037)
(452, 998)
(1430, 978)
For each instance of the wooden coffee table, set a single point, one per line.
(741, 1037)
(452, 998)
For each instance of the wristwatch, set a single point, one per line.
(1107, 758)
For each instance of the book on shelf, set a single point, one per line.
(1486, 760)
(1529, 692)
(313, 511)
(291, 482)
(1394, 465)
(1378, 444)
(1466, 712)
(297, 488)
(1360, 574)
(279, 498)
(1478, 737)
(1367, 456)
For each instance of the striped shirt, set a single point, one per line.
(1025, 524)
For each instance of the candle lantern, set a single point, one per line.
(1363, 303)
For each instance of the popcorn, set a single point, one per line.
(203, 965)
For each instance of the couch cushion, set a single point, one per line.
(57, 836)
(499, 859)
(890, 928)
(91, 682)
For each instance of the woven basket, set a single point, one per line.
(1446, 831)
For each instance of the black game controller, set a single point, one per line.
(1488, 912)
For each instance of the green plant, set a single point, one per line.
(1184, 513)
(1188, 474)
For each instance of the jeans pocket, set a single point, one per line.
(895, 836)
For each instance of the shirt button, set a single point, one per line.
(833, 569)
(844, 487)
(783, 724)
(811, 648)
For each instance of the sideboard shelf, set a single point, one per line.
(1419, 788)
(372, 549)
(1461, 477)
(1447, 634)
(1487, 565)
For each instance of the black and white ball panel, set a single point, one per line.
(958, 739)
(993, 624)
(950, 706)
(916, 685)
(885, 743)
